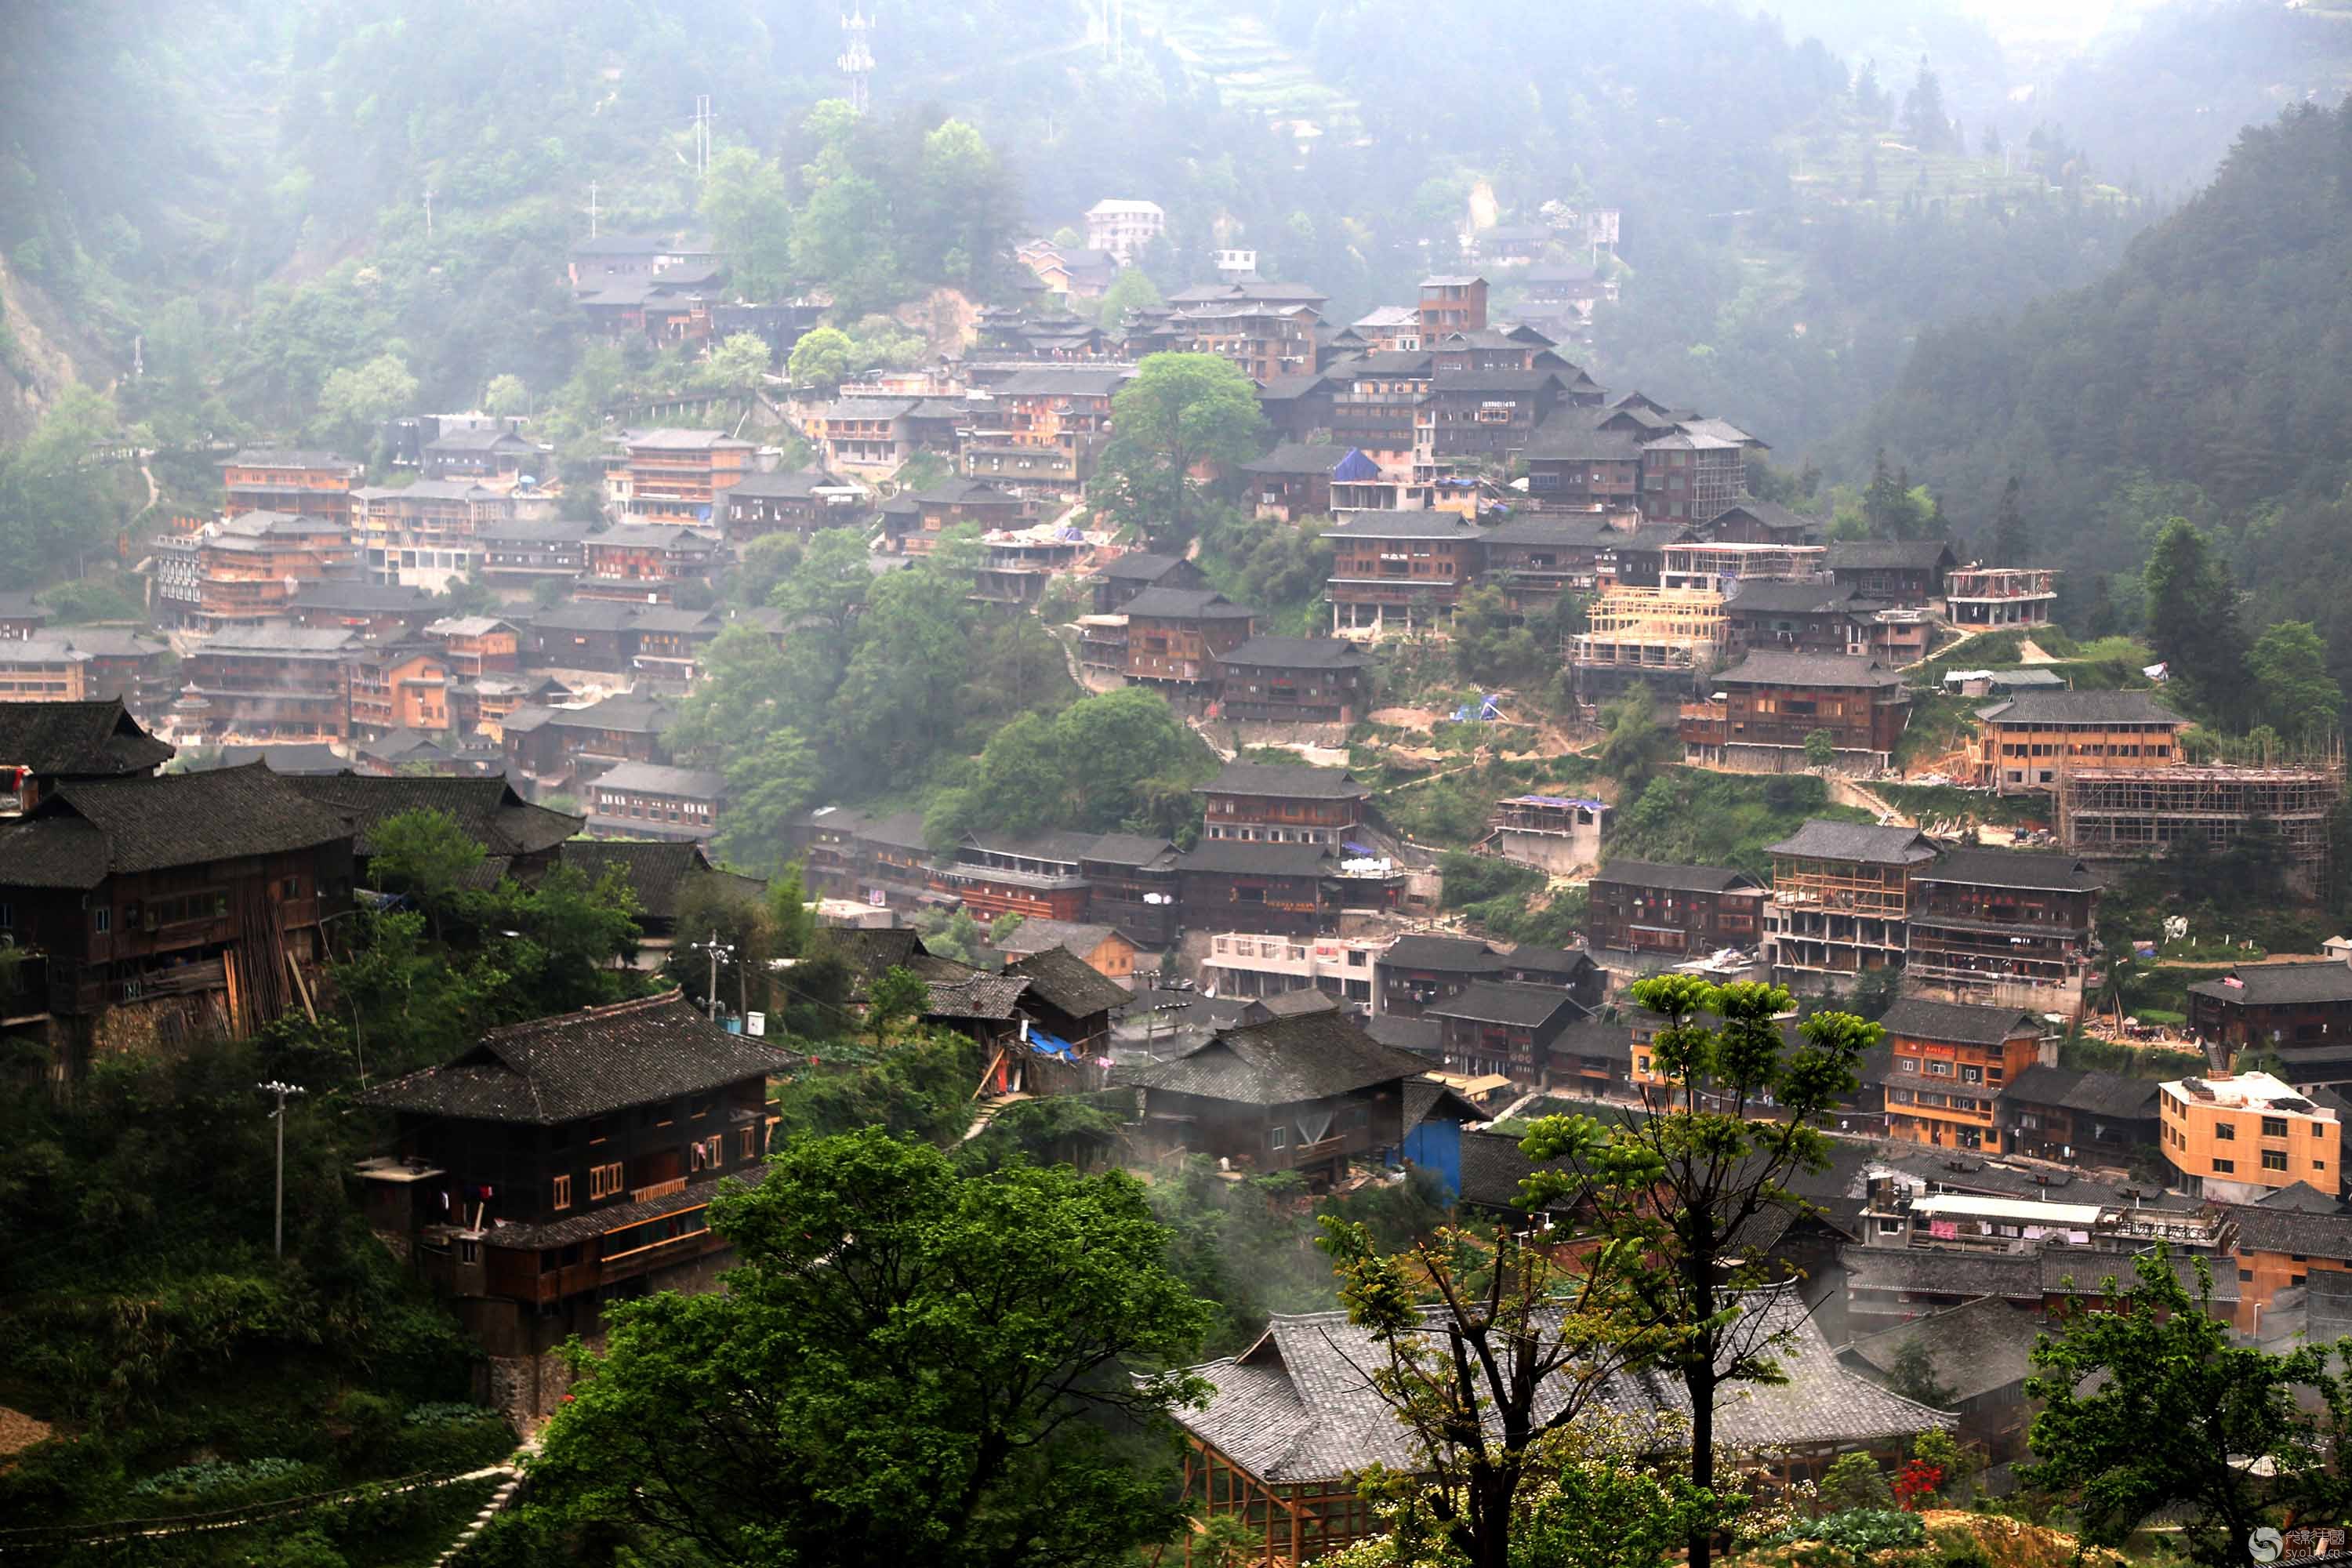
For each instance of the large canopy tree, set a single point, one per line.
(909, 1366)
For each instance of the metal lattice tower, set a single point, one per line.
(857, 56)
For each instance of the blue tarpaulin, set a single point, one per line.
(1356, 849)
(1051, 1045)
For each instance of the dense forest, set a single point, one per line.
(2202, 379)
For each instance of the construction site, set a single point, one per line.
(2126, 813)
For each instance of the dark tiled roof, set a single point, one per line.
(603, 1221)
(1456, 954)
(2280, 984)
(1064, 979)
(1235, 856)
(1130, 850)
(1504, 1001)
(589, 1063)
(1772, 515)
(1300, 1406)
(654, 778)
(784, 483)
(1036, 935)
(1421, 1035)
(1956, 1023)
(1768, 669)
(489, 811)
(658, 874)
(1978, 1348)
(2080, 707)
(635, 715)
(1674, 879)
(310, 757)
(1310, 1055)
(1861, 841)
(992, 997)
(1295, 653)
(1595, 1036)
(868, 951)
(1185, 605)
(2107, 1094)
(1567, 963)
(1064, 381)
(2293, 1231)
(1139, 565)
(1765, 597)
(90, 829)
(1292, 1003)
(2300, 1197)
(356, 596)
(2013, 868)
(78, 739)
(1888, 555)
(1299, 458)
(1286, 781)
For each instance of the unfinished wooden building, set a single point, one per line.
(1634, 634)
(2121, 814)
(2001, 595)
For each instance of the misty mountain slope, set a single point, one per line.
(2210, 375)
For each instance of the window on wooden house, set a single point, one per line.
(559, 1192)
(603, 1181)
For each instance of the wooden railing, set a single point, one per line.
(658, 1190)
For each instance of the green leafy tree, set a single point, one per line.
(1022, 777)
(896, 996)
(506, 395)
(1132, 289)
(1181, 412)
(355, 401)
(425, 855)
(1820, 749)
(791, 922)
(2294, 693)
(1635, 742)
(2154, 1405)
(838, 245)
(768, 782)
(1913, 1375)
(821, 359)
(1489, 648)
(2193, 621)
(1856, 1482)
(1113, 742)
(750, 211)
(737, 364)
(1519, 1346)
(2010, 543)
(1679, 1185)
(908, 1365)
(1005, 925)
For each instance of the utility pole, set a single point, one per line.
(717, 950)
(429, 212)
(592, 209)
(701, 136)
(281, 1090)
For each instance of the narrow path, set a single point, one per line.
(1198, 727)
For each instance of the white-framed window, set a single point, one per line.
(1277, 1137)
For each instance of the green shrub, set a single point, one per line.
(217, 1483)
(1860, 1530)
